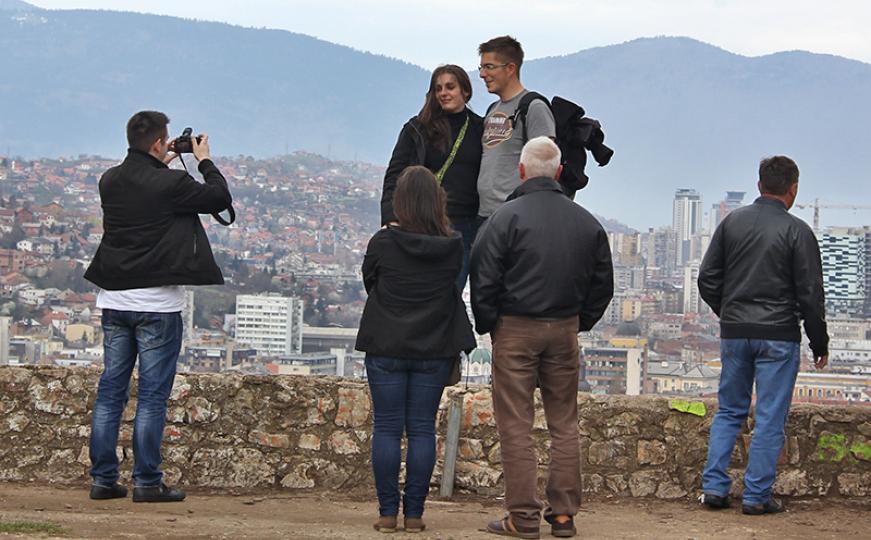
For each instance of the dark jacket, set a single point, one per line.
(414, 309)
(761, 272)
(540, 255)
(461, 179)
(152, 235)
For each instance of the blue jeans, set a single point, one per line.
(405, 395)
(468, 230)
(156, 339)
(774, 366)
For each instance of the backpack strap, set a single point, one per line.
(523, 108)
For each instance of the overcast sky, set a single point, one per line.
(448, 31)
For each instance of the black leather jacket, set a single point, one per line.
(152, 234)
(540, 255)
(762, 272)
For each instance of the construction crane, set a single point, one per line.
(816, 205)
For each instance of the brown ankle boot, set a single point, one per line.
(385, 524)
(414, 525)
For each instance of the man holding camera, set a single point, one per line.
(153, 243)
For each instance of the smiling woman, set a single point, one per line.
(444, 137)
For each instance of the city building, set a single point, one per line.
(686, 221)
(612, 370)
(845, 270)
(314, 363)
(271, 324)
(733, 200)
(692, 300)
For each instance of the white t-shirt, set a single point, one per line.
(152, 299)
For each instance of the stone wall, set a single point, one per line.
(227, 431)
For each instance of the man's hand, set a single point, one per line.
(201, 148)
(821, 361)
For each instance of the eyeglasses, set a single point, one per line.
(491, 67)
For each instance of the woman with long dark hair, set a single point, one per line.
(413, 327)
(444, 137)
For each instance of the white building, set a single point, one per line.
(686, 221)
(692, 300)
(271, 324)
(5, 327)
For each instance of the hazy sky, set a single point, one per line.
(448, 31)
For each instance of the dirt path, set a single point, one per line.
(349, 516)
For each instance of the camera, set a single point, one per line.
(183, 143)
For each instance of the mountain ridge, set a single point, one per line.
(679, 112)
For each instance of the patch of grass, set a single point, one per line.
(25, 527)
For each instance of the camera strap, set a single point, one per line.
(223, 221)
(216, 215)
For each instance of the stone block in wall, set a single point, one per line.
(354, 407)
(309, 441)
(471, 474)
(316, 415)
(622, 424)
(616, 483)
(670, 489)
(865, 429)
(792, 482)
(229, 467)
(854, 484)
(200, 410)
(15, 380)
(477, 411)
(610, 453)
(494, 455)
(270, 440)
(592, 483)
(470, 449)
(645, 483)
(651, 453)
(343, 443)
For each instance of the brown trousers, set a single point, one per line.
(527, 350)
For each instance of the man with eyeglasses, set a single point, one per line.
(501, 58)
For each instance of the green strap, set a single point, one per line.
(441, 174)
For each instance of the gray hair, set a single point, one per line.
(540, 157)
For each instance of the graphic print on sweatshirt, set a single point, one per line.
(498, 128)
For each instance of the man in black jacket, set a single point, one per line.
(761, 273)
(153, 242)
(541, 271)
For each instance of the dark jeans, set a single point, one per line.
(405, 395)
(469, 230)
(773, 365)
(156, 339)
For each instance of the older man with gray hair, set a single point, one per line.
(540, 273)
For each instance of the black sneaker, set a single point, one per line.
(161, 493)
(115, 491)
(561, 530)
(715, 502)
(771, 506)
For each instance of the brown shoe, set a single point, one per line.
(385, 524)
(414, 525)
(506, 527)
(564, 529)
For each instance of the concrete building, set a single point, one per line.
(845, 270)
(5, 329)
(692, 300)
(271, 324)
(315, 363)
(612, 370)
(733, 200)
(686, 221)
